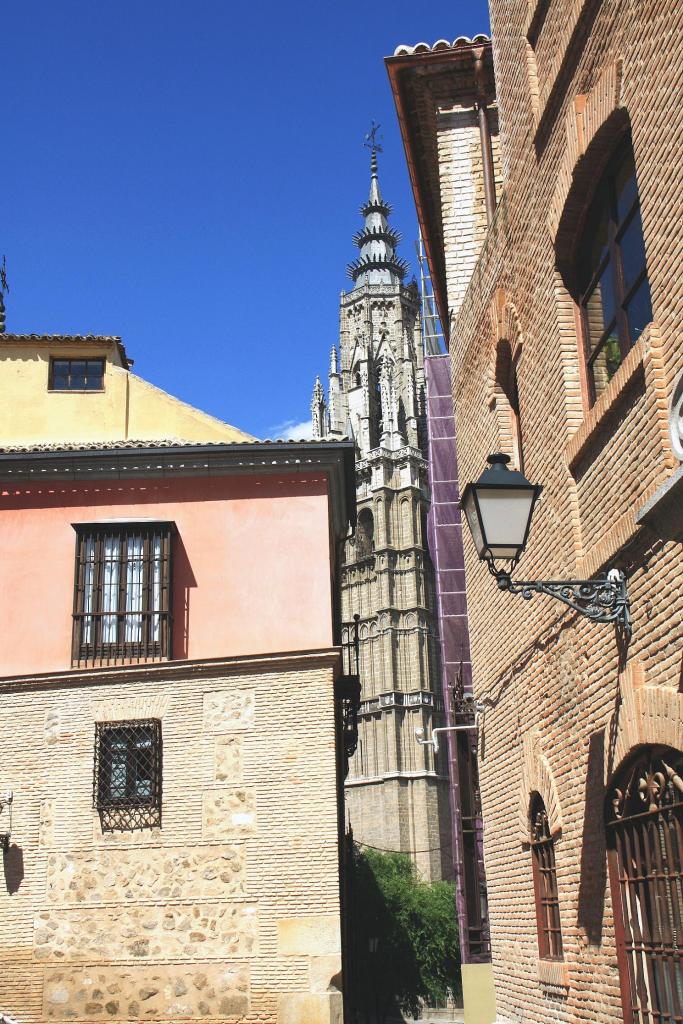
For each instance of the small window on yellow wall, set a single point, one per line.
(76, 375)
(612, 286)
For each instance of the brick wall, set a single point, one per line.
(557, 684)
(229, 911)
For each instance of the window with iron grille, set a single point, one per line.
(127, 780)
(76, 375)
(122, 593)
(645, 855)
(545, 883)
(611, 273)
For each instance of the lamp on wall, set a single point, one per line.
(498, 509)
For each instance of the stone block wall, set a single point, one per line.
(404, 814)
(229, 911)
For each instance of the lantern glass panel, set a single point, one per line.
(505, 516)
(470, 506)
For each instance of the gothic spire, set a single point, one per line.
(318, 411)
(377, 241)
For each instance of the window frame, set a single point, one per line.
(144, 616)
(605, 198)
(129, 811)
(546, 892)
(644, 826)
(76, 359)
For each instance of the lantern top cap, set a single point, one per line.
(498, 474)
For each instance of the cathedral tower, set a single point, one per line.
(396, 795)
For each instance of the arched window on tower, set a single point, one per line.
(402, 425)
(365, 534)
(644, 815)
(545, 882)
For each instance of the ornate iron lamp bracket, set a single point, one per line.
(602, 600)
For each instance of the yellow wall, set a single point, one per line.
(128, 407)
(479, 996)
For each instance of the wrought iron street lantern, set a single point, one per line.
(499, 508)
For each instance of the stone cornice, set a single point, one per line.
(205, 668)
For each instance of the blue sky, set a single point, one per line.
(188, 176)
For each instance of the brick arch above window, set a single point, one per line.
(647, 716)
(594, 124)
(505, 355)
(537, 777)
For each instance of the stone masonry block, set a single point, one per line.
(168, 990)
(229, 813)
(214, 872)
(142, 932)
(296, 1008)
(325, 972)
(228, 758)
(229, 710)
(312, 936)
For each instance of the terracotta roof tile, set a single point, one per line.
(441, 44)
(135, 443)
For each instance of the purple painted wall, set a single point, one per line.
(445, 544)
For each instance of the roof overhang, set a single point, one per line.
(336, 459)
(422, 78)
(72, 341)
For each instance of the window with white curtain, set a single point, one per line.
(122, 596)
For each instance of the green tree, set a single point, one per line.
(404, 937)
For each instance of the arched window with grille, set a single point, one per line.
(644, 815)
(545, 882)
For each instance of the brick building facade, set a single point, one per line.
(567, 355)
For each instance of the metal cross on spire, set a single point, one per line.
(371, 138)
(4, 287)
(371, 142)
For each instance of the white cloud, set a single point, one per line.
(290, 430)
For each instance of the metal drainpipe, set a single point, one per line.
(485, 134)
(487, 160)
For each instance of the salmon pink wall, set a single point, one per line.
(251, 570)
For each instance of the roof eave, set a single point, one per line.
(433, 61)
(335, 458)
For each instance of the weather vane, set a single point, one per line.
(371, 139)
(4, 287)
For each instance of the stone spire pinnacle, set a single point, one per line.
(318, 411)
(377, 241)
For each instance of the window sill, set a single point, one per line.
(662, 513)
(609, 403)
(553, 974)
